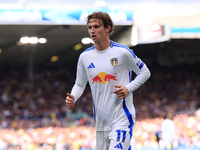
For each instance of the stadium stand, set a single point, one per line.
(34, 114)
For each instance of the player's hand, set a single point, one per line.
(121, 91)
(69, 101)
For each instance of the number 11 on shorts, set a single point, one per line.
(119, 134)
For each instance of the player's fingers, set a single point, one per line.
(69, 99)
(117, 86)
(118, 90)
(70, 104)
(69, 95)
(120, 95)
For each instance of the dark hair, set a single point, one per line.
(106, 19)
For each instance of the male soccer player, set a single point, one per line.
(107, 66)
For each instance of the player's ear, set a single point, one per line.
(108, 28)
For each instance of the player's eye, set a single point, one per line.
(96, 26)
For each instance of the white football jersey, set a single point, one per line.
(103, 70)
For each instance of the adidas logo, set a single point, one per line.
(119, 146)
(91, 66)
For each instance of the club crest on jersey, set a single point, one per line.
(114, 62)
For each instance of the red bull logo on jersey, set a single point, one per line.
(103, 78)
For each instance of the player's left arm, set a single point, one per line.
(136, 65)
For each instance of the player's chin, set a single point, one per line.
(94, 40)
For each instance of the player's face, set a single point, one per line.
(97, 31)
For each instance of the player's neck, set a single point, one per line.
(102, 45)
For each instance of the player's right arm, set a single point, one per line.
(76, 93)
(79, 86)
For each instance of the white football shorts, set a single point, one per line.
(116, 139)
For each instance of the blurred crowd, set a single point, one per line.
(33, 114)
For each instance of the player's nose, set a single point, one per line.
(92, 30)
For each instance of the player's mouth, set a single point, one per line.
(93, 36)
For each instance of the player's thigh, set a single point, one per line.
(102, 141)
(120, 138)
